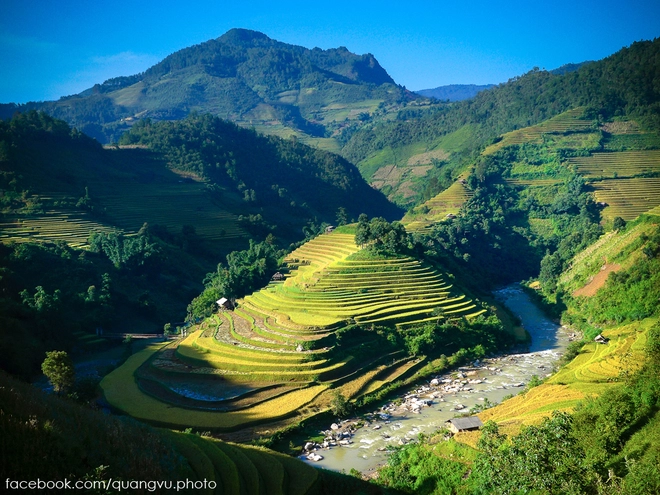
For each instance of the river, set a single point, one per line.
(487, 381)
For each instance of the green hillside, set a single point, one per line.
(197, 173)
(65, 437)
(623, 84)
(242, 76)
(343, 318)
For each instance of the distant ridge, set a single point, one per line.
(454, 92)
(460, 92)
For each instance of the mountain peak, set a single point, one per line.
(243, 35)
(244, 76)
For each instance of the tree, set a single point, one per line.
(342, 216)
(618, 223)
(362, 232)
(541, 459)
(339, 405)
(58, 368)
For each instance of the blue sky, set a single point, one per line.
(54, 48)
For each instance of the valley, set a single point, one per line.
(316, 245)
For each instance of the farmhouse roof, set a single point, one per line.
(221, 301)
(470, 423)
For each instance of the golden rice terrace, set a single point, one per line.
(274, 357)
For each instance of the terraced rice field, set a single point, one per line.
(275, 355)
(72, 227)
(186, 204)
(628, 198)
(125, 203)
(437, 209)
(121, 390)
(566, 122)
(373, 291)
(596, 369)
(617, 164)
(244, 470)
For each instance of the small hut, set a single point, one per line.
(224, 303)
(464, 424)
(329, 229)
(277, 277)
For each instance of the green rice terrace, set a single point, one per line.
(626, 181)
(554, 129)
(127, 207)
(277, 354)
(70, 226)
(441, 207)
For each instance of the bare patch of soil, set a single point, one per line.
(597, 281)
(428, 157)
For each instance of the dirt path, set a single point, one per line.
(598, 280)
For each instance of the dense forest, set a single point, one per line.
(283, 178)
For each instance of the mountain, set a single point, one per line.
(417, 154)
(244, 76)
(454, 92)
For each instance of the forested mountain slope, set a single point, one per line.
(242, 76)
(417, 154)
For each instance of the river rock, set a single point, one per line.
(334, 426)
